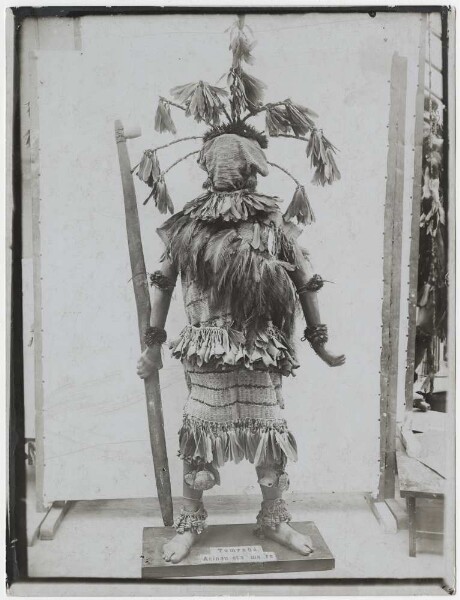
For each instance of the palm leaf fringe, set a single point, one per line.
(219, 346)
(300, 208)
(262, 442)
(163, 120)
(202, 101)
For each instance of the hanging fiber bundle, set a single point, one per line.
(326, 172)
(247, 91)
(163, 120)
(321, 153)
(276, 120)
(161, 196)
(240, 45)
(149, 168)
(299, 118)
(202, 101)
(300, 208)
(315, 148)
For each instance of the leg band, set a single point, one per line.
(194, 521)
(271, 514)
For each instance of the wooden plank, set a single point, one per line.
(415, 224)
(411, 506)
(392, 275)
(448, 20)
(37, 279)
(383, 514)
(8, 228)
(396, 506)
(287, 561)
(53, 519)
(417, 480)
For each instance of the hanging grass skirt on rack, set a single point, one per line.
(234, 415)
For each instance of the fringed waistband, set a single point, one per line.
(222, 346)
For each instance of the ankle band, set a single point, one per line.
(271, 514)
(194, 521)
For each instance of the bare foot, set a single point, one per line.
(178, 548)
(286, 536)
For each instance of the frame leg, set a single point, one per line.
(410, 503)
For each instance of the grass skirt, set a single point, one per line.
(234, 414)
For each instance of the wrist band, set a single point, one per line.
(154, 335)
(314, 284)
(161, 281)
(316, 334)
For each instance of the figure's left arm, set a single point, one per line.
(306, 284)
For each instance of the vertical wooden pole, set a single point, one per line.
(392, 276)
(415, 225)
(141, 293)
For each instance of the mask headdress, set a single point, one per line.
(228, 112)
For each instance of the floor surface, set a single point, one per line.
(103, 539)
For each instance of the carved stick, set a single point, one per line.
(141, 293)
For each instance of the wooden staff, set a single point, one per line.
(141, 293)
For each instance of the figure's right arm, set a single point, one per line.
(165, 278)
(161, 294)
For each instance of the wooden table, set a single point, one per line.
(417, 481)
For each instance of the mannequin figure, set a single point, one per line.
(241, 270)
(243, 275)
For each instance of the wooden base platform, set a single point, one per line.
(232, 550)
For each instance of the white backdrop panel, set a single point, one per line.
(96, 436)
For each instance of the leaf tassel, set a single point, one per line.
(149, 168)
(163, 120)
(300, 208)
(161, 196)
(299, 118)
(202, 101)
(321, 153)
(240, 45)
(276, 120)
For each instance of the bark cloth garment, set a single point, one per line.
(234, 253)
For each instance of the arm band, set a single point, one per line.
(314, 284)
(316, 335)
(161, 281)
(154, 335)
